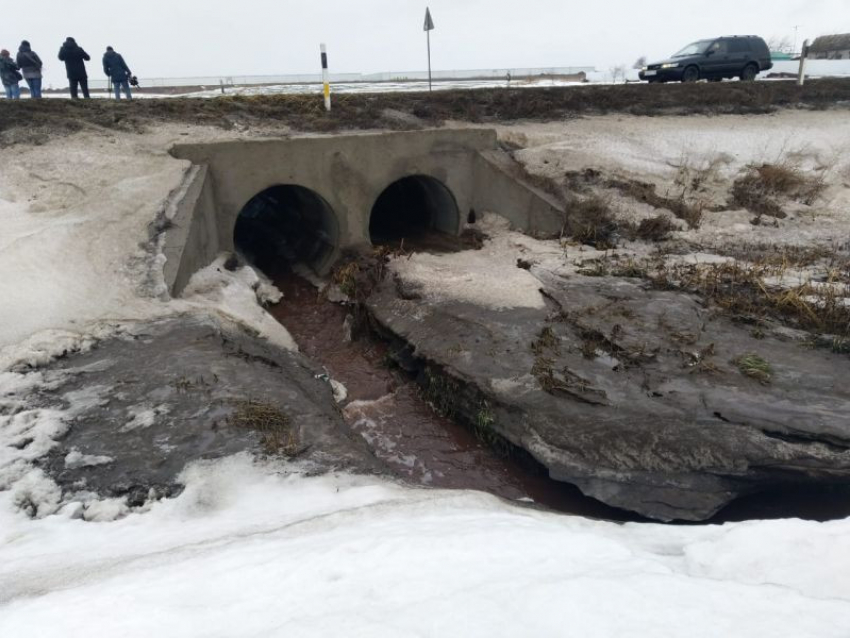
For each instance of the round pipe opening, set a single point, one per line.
(287, 223)
(411, 208)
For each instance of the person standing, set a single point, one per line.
(10, 76)
(75, 59)
(117, 70)
(31, 66)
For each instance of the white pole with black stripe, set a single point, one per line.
(801, 76)
(326, 78)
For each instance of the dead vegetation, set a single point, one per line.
(764, 189)
(654, 229)
(755, 367)
(806, 288)
(274, 427)
(683, 205)
(30, 122)
(590, 219)
(591, 222)
(561, 381)
(744, 292)
(358, 273)
(783, 258)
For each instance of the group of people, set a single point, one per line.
(28, 66)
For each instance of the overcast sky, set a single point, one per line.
(173, 38)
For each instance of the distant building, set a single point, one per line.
(831, 47)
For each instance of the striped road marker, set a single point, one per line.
(326, 78)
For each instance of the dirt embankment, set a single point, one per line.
(27, 121)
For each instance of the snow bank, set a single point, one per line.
(74, 216)
(249, 550)
(718, 149)
(76, 256)
(237, 295)
(487, 277)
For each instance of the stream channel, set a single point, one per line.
(422, 447)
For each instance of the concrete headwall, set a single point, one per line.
(349, 173)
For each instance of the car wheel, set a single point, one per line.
(691, 74)
(749, 73)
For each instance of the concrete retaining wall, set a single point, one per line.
(349, 173)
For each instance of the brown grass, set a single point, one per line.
(35, 122)
(590, 221)
(654, 229)
(274, 427)
(682, 206)
(763, 189)
(753, 366)
(740, 291)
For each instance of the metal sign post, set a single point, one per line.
(326, 78)
(429, 26)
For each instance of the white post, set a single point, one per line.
(430, 88)
(801, 78)
(326, 78)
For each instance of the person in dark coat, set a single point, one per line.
(31, 67)
(75, 59)
(9, 76)
(116, 69)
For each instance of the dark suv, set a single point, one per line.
(740, 56)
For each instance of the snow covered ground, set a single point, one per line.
(254, 550)
(264, 549)
(718, 149)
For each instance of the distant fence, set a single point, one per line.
(347, 78)
(814, 68)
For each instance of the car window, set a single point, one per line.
(719, 47)
(739, 46)
(695, 48)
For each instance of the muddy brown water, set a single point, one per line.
(386, 407)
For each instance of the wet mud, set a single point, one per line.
(387, 408)
(149, 402)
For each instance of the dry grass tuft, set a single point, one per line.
(274, 427)
(753, 366)
(762, 189)
(741, 291)
(683, 206)
(590, 221)
(345, 276)
(656, 228)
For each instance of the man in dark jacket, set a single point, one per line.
(74, 58)
(31, 66)
(117, 70)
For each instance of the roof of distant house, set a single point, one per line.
(827, 43)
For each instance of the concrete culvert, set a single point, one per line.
(287, 224)
(411, 208)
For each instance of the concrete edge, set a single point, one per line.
(444, 140)
(191, 242)
(499, 189)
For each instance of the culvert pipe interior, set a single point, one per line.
(288, 223)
